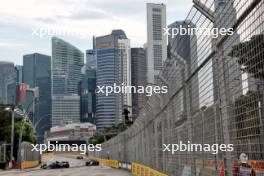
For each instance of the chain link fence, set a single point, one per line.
(2, 152)
(215, 96)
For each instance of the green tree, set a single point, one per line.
(27, 133)
(108, 133)
(5, 121)
(5, 130)
(96, 139)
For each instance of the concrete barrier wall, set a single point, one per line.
(29, 164)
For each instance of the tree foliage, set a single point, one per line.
(96, 139)
(5, 121)
(5, 129)
(108, 133)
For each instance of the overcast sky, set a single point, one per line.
(21, 22)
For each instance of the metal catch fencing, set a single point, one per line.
(3, 158)
(215, 96)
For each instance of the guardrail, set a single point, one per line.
(135, 168)
(141, 170)
(29, 164)
(106, 162)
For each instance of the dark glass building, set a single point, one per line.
(138, 77)
(19, 71)
(91, 58)
(87, 96)
(184, 48)
(37, 73)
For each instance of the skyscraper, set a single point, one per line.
(58, 82)
(7, 82)
(67, 62)
(184, 47)
(87, 95)
(91, 58)
(138, 77)
(37, 73)
(113, 66)
(19, 70)
(156, 41)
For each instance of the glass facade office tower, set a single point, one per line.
(59, 82)
(113, 66)
(37, 73)
(67, 62)
(7, 82)
(138, 77)
(184, 49)
(19, 71)
(156, 41)
(91, 58)
(87, 95)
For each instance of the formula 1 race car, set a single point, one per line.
(79, 157)
(92, 163)
(56, 165)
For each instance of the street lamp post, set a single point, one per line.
(12, 130)
(12, 134)
(20, 141)
(21, 129)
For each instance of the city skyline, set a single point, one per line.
(159, 94)
(18, 24)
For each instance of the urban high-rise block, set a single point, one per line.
(19, 70)
(37, 73)
(113, 66)
(65, 109)
(7, 82)
(91, 56)
(87, 95)
(138, 78)
(184, 50)
(156, 41)
(67, 62)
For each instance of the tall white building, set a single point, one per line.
(156, 41)
(125, 58)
